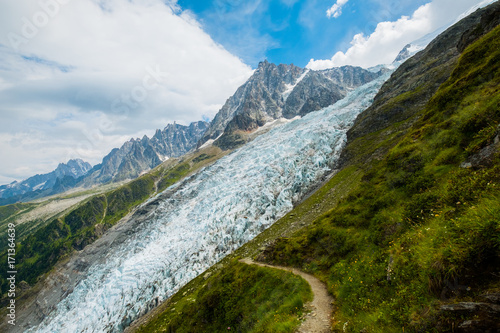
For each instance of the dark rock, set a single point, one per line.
(493, 298)
(23, 285)
(489, 20)
(283, 91)
(139, 155)
(472, 307)
(478, 326)
(482, 158)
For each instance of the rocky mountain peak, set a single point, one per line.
(37, 185)
(139, 155)
(280, 91)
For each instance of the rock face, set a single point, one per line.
(283, 91)
(139, 155)
(133, 158)
(485, 316)
(42, 184)
(421, 75)
(176, 140)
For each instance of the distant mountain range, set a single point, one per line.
(139, 155)
(46, 184)
(128, 162)
(272, 92)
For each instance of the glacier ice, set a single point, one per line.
(208, 216)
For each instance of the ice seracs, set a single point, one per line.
(208, 216)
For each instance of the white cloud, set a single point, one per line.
(336, 10)
(115, 69)
(389, 38)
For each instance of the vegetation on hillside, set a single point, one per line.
(419, 225)
(7, 215)
(38, 251)
(423, 225)
(240, 298)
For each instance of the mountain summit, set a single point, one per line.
(139, 155)
(41, 184)
(280, 91)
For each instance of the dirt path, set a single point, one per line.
(318, 320)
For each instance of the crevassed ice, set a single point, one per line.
(210, 215)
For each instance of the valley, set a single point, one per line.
(381, 184)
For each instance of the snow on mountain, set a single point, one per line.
(74, 168)
(280, 91)
(289, 87)
(206, 217)
(420, 44)
(136, 156)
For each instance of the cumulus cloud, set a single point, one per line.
(81, 77)
(383, 45)
(336, 10)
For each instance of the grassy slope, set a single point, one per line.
(414, 222)
(418, 222)
(319, 202)
(240, 298)
(31, 216)
(38, 251)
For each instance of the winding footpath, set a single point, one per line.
(318, 320)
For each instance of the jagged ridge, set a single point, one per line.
(283, 91)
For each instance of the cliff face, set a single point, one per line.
(411, 86)
(140, 155)
(283, 91)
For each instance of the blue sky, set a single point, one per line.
(291, 31)
(80, 77)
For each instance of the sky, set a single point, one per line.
(80, 77)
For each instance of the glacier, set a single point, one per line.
(208, 216)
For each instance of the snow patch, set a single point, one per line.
(289, 87)
(162, 158)
(39, 186)
(207, 144)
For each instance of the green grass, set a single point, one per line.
(417, 221)
(8, 214)
(10, 210)
(402, 222)
(40, 249)
(320, 201)
(239, 298)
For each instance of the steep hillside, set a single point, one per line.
(407, 235)
(421, 229)
(238, 300)
(41, 244)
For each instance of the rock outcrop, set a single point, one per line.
(280, 91)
